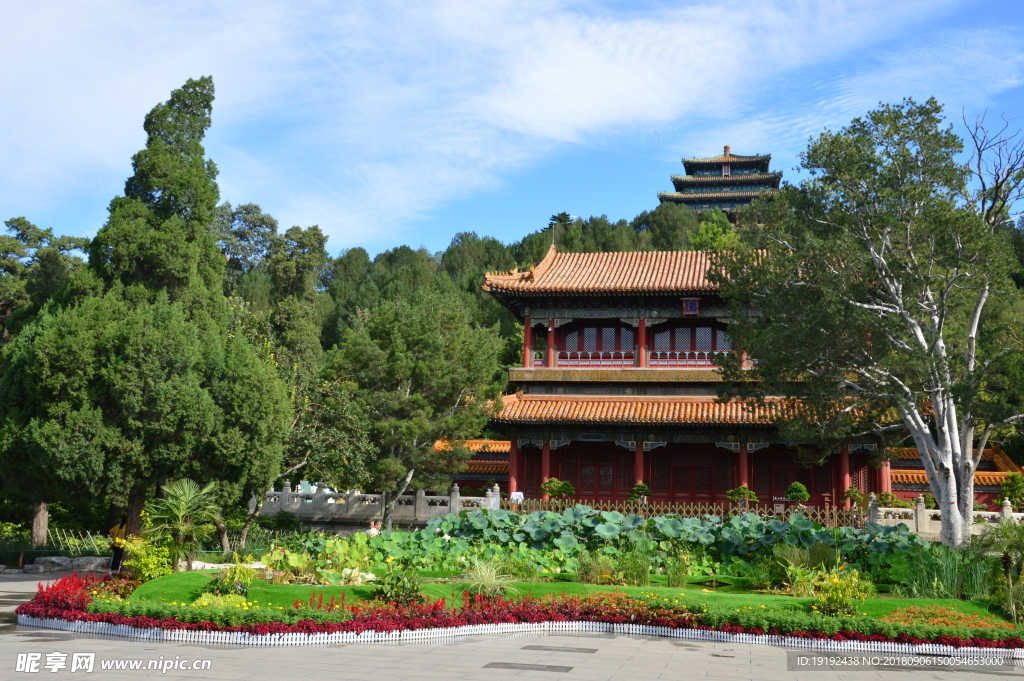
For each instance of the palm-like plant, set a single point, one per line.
(184, 516)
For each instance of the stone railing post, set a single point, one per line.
(497, 497)
(872, 508)
(920, 515)
(319, 500)
(419, 508)
(488, 499)
(454, 505)
(1007, 510)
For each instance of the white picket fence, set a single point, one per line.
(413, 636)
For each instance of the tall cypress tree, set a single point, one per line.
(131, 377)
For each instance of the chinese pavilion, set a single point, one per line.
(724, 182)
(618, 386)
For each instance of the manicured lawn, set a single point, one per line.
(186, 586)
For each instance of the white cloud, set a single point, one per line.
(962, 69)
(362, 117)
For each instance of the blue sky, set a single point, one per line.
(406, 122)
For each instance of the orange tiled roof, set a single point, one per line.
(919, 477)
(646, 271)
(617, 410)
(488, 446)
(483, 467)
(994, 454)
(706, 195)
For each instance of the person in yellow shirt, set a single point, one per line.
(117, 533)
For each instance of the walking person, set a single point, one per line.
(118, 543)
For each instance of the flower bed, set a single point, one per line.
(68, 599)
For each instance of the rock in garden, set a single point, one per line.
(58, 562)
(91, 563)
(12, 571)
(35, 569)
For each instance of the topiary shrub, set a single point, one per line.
(557, 488)
(742, 495)
(639, 491)
(797, 492)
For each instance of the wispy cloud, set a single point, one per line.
(363, 117)
(962, 69)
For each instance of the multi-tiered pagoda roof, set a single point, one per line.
(724, 182)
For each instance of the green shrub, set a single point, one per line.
(398, 585)
(890, 500)
(840, 591)
(595, 568)
(820, 555)
(639, 490)
(677, 570)
(742, 494)
(210, 599)
(282, 521)
(633, 567)
(1013, 489)
(797, 492)
(219, 586)
(523, 569)
(147, 561)
(763, 573)
(239, 572)
(557, 488)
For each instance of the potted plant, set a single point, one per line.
(555, 488)
(639, 493)
(798, 492)
(742, 496)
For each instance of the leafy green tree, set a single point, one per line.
(881, 301)
(185, 515)
(34, 265)
(296, 258)
(245, 235)
(129, 376)
(422, 372)
(668, 227)
(159, 234)
(714, 233)
(1013, 489)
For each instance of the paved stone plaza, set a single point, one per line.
(582, 657)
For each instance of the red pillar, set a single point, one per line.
(886, 476)
(641, 343)
(844, 474)
(513, 466)
(545, 464)
(551, 343)
(638, 462)
(527, 343)
(743, 463)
